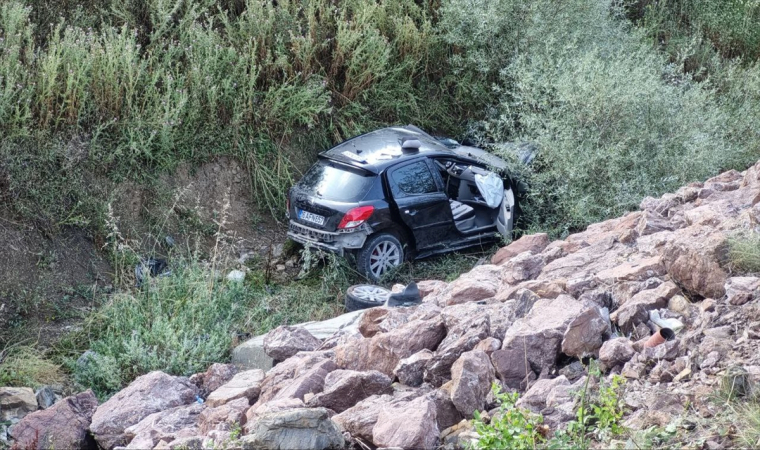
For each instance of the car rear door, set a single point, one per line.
(422, 204)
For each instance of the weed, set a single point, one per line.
(744, 252)
(511, 427)
(23, 365)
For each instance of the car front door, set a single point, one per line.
(422, 204)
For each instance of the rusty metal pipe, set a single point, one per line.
(664, 334)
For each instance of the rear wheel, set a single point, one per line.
(380, 254)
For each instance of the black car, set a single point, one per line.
(399, 193)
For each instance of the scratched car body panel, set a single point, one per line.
(398, 193)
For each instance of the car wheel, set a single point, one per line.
(380, 254)
(363, 296)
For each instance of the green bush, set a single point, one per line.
(744, 253)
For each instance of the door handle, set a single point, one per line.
(410, 212)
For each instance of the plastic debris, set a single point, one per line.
(674, 324)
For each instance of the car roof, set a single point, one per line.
(377, 150)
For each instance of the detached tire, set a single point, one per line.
(380, 254)
(364, 296)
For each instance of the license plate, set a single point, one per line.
(311, 217)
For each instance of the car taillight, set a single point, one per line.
(356, 217)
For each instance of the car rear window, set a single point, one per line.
(337, 183)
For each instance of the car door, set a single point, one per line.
(422, 204)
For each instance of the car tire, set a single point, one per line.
(381, 253)
(364, 296)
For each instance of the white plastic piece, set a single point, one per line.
(674, 324)
(236, 276)
(491, 187)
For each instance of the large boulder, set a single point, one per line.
(535, 243)
(344, 388)
(616, 351)
(407, 425)
(359, 420)
(148, 394)
(480, 283)
(539, 334)
(246, 384)
(462, 337)
(636, 310)
(692, 259)
(635, 270)
(63, 425)
(384, 351)
(284, 342)
(296, 429)
(535, 398)
(513, 368)
(165, 425)
(471, 376)
(16, 402)
(273, 406)
(225, 417)
(213, 378)
(310, 381)
(523, 267)
(277, 378)
(410, 371)
(585, 334)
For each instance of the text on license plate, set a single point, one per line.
(311, 217)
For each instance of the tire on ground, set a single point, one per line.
(355, 302)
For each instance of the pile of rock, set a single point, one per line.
(412, 377)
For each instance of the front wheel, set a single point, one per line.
(380, 254)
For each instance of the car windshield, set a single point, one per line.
(337, 183)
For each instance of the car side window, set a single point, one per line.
(412, 179)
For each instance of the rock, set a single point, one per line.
(16, 402)
(186, 443)
(224, 417)
(148, 394)
(740, 290)
(62, 425)
(462, 337)
(296, 429)
(667, 350)
(693, 259)
(369, 325)
(236, 276)
(427, 287)
(634, 369)
(635, 270)
(711, 360)
(165, 425)
(284, 342)
(361, 418)
(261, 409)
(539, 334)
(525, 266)
(616, 351)
(488, 345)
(245, 384)
(409, 371)
(471, 375)
(636, 310)
(384, 351)
(459, 435)
(213, 378)
(535, 243)
(480, 283)
(345, 388)
(45, 397)
(310, 381)
(513, 368)
(407, 425)
(585, 334)
(651, 222)
(446, 412)
(535, 397)
(573, 371)
(280, 376)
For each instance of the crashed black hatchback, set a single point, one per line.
(398, 193)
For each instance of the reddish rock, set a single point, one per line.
(446, 413)
(277, 376)
(523, 267)
(63, 425)
(384, 351)
(636, 310)
(488, 345)
(225, 417)
(471, 376)
(480, 283)
(539, 334)
(636, 270)
(211, 380)
(369, 323)
(616, 351)
(148, 394)
(167, 425)
(585, 334)
(513, 368)
(409, 371)
(243, 385)
(535, 398)
(652, 222)
(362, 417)
(535, 243)
(428, 287)
(312, 381)
(693, 261)
(740, 290)
(462, 337)
(344, 388)
(407, 425)
(284, 342)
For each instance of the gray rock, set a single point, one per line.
(296, 429)
(410, 371)
(472, 375)
(45, 397)
(16, 402)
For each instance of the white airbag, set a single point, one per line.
(491, 187)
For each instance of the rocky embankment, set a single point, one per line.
(411, 377)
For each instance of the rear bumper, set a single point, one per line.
(335, 242)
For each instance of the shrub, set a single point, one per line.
(27, 366)
(744, 252)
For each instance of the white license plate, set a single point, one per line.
(311, 217)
